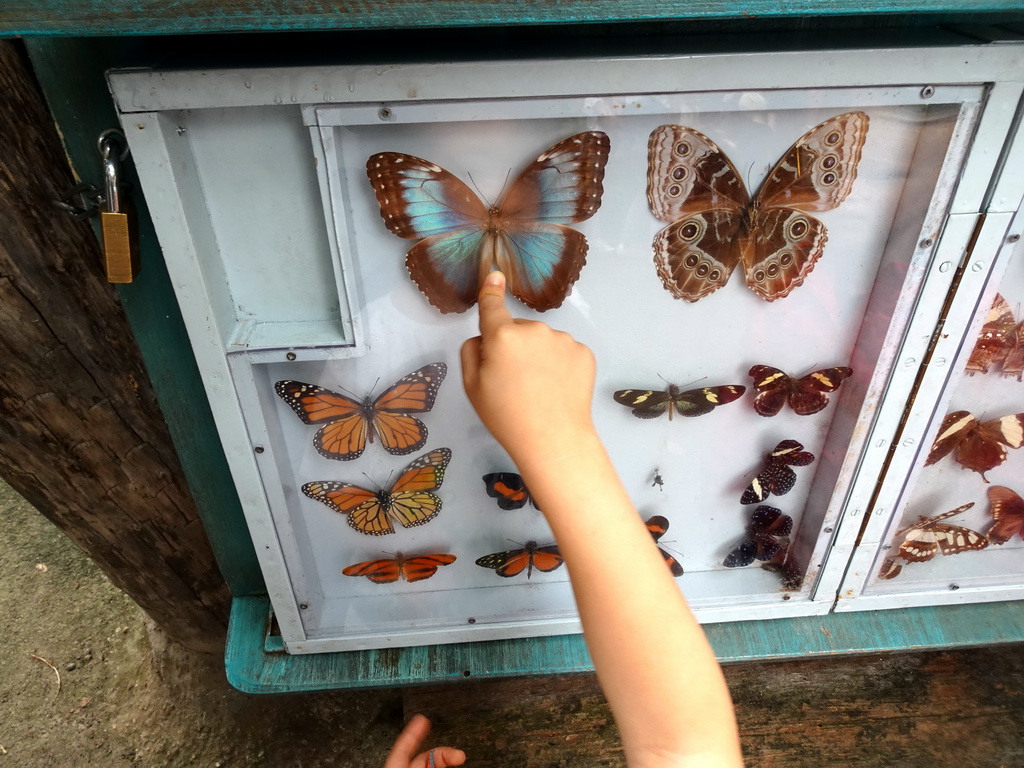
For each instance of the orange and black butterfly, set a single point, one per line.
(777, 477)
(1007, 510)
(408, 501)
(387, 571)
(767, 526)
(349, 424)
(805, 394)
(1000, 343)
(515, 561)
(509, 490)
(977, 445)
(658, 526)
(651, 403)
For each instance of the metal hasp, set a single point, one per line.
(120, 240)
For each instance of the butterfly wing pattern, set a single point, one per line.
(390, 570)
(650, 403)
(1000, 343)
(408, 502)
(975, 445)
(349, 424)
(713, 224)
(658, 526)
(509, 490)
(1007, 510)
(513, 562)
(806, 395)
(767, 526)
(525, 235)
(777, 478)
(930, 536)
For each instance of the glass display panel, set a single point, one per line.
(713, 389)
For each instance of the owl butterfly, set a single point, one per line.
(650, 404)
(387, 571)
(1001, 342)
(1007, 510)
(509, 490)
(767, 526)
(714, 224)
(658, 526)
(806, 394)
(349, 423)
(408, 501)
(929, 536)
(515, 561)
(976, 445)
(525, 234)
(777, 477)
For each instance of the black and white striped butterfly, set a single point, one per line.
(928, 537)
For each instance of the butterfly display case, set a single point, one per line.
(958, 514)
(753, 262)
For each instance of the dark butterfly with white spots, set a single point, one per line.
(515, 561)
(1007, 510)
(525, 234)
(976, 445)
(658, 526)
(767, 526)
(650, 403)
(777, 478)
(509, 490)
(1000, 343)
(714, 224)
(805, 394)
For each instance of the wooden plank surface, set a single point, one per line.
(131, 17)
(925, 710)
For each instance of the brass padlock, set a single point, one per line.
(117, 222)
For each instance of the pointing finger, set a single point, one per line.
(493, 313)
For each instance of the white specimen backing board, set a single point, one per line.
(366, 325)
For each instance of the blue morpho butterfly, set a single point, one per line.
(524, 234)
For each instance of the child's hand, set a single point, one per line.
(408, 741)
(531, 386)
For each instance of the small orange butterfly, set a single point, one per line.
(515, 561)
(349, 423)
(408, 501)
(386, 571)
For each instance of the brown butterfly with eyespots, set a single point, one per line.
(715, 224)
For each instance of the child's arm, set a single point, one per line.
(532, 387)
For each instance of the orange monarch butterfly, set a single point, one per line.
(509, 490)
(658, 526)
(386, 571)
(408, 501)
(515, 561)
(349, 423)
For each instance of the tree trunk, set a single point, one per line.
(81, 435)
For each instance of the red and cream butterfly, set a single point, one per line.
(777, 477)
(650, 403)
(1001, 342)
(1007, 510)
(930, 536)
(389, 570)
(515, 561)
(658, 526)
(525, 234)
(349, 423)
(805, 394)
(714, 224)
(767, 526)
(509, 490)
(976, 445)
(408, 502)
